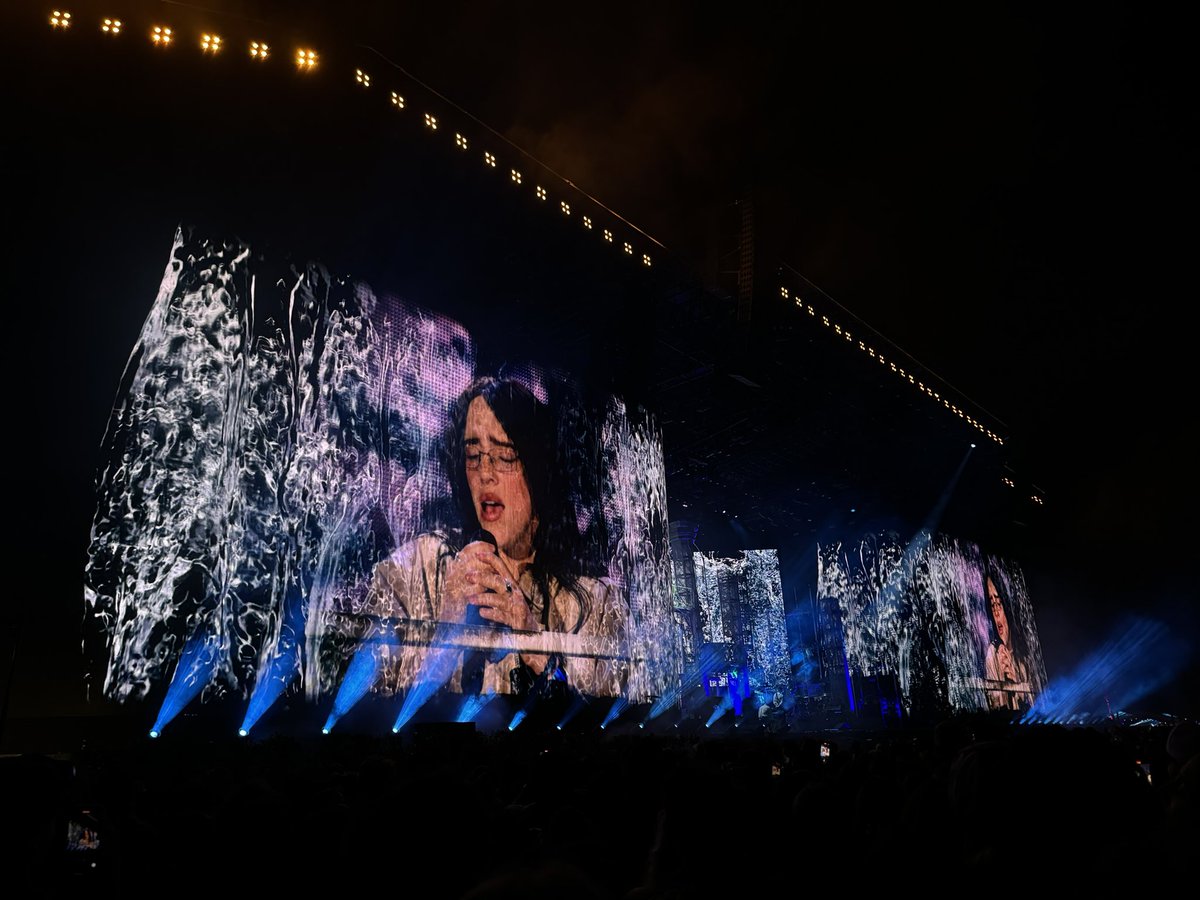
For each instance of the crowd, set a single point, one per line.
(539, 813)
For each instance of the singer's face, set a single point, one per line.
(997, 607)
(501, 499)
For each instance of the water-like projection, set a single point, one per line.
(942, 624)
(282, 436)
(741, 606)
(238, 470)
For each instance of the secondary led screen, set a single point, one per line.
(740, 602)
(950, 625)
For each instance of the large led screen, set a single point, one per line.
(952, 625)
(309, 483)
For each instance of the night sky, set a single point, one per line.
(1005, 192)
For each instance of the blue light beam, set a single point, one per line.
(618, 706)
(1141, 656)
(360, 676)
(280, 666)
(192, 674)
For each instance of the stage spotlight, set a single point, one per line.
(645, 259)
(641, 724)
(60, 19)
(305, 59)
(397, 100)
(628, 248)
(242, 732)
(489, 159)
(517, 719)
(210, 43)
(259, 51)
(972, 446)
(566, 207)
(587, 222)
(430, 122)
(516, 176)
(608, 235)
(111, 26)
(559, 727)
(362, 77)
(153, 733)
(161, 35)
(395, 729)
(541, 192)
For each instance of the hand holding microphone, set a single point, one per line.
(474, 660)
(491, 598)
(498, 599)
(481, 536)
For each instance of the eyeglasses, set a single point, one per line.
(504, 463)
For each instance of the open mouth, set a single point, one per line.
(490, 510)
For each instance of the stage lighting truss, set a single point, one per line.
(798, 301)
(307, 59)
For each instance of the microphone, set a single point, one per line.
(484, 536)
(473, 660)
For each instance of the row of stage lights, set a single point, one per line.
(164, 36)
(472, 707)
(306, 60)
(884, 361)
(920, 385)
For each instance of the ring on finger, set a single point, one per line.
(508, 585)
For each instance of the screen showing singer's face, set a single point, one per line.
(501, 498)
(348, 459)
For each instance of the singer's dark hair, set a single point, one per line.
(1016, 636)
(530, 425)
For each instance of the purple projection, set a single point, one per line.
(952, 627)
(282, 450)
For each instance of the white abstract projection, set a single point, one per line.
(741, 604)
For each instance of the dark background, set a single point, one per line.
(1004, 194)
